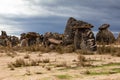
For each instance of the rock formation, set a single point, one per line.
(104, 36)
(80, 34)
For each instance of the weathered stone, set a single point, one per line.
(69, 32)
(104, 26)
(79, 33)
(24, 43)
(85, 40)
(104, 35)
(22, 36)
(32, 38)
(4, 34)
(52, 38)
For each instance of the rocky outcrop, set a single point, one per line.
(79, 34)
(52, 39)
(105, 36)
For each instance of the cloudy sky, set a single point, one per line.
(17, 16)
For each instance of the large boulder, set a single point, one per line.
(32, 38)
(4, 38)
(9, 41)
(14, 40)
(2, 41)
(105, 36)
(69, 32)
(24, 43)
(22, 36)
(3, 34)
(84, 39)
(79, 33)
(52, 38)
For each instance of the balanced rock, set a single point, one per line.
(79, 33)
(104, 35)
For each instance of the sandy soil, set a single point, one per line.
(71, 70)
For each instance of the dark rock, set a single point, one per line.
(104, 35)
(104, 26)
(78, 32)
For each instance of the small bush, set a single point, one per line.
(82, 61)
(11, 66)
(47, 60)
(59, 49)
(10, 54)
(81, 58)
(87, 72)
(19, 63)
(84, 52)
(108, 50)
(26, 56)
(62, 64)
(68, 49)
(64, 76)
(44, 49)
(28, 72)
(34, 63)
(48, 68)
(22, 63)
(38, 72)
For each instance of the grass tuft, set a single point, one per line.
(66, 76)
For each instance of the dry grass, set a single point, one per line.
(26, 61)
(48, 68)
(61, 64)
(64, 68)
(82, 60)
(84, 52)
(34, 48)
(28, 72)
(23, 63)
(34, 63)
(26, 56)
(64, 49)
(68, 49)
(115, 51)
(47, 60)
(20, 62)
(11, 66)
(64, 76)
(10, 54)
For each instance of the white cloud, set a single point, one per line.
(45, 1)
(11, 29)
(31, 8)
(24, 8)
(15, 8)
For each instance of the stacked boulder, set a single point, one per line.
(9, 41)
(79, 34)
(3, 38)
(104, 36)
(52, 39)
(69, 32)
(30, 38)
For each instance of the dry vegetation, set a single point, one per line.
(40, 63)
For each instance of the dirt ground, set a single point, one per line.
(55, 66)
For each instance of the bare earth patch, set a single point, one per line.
(54, 66)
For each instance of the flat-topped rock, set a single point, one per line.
(104, 26)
